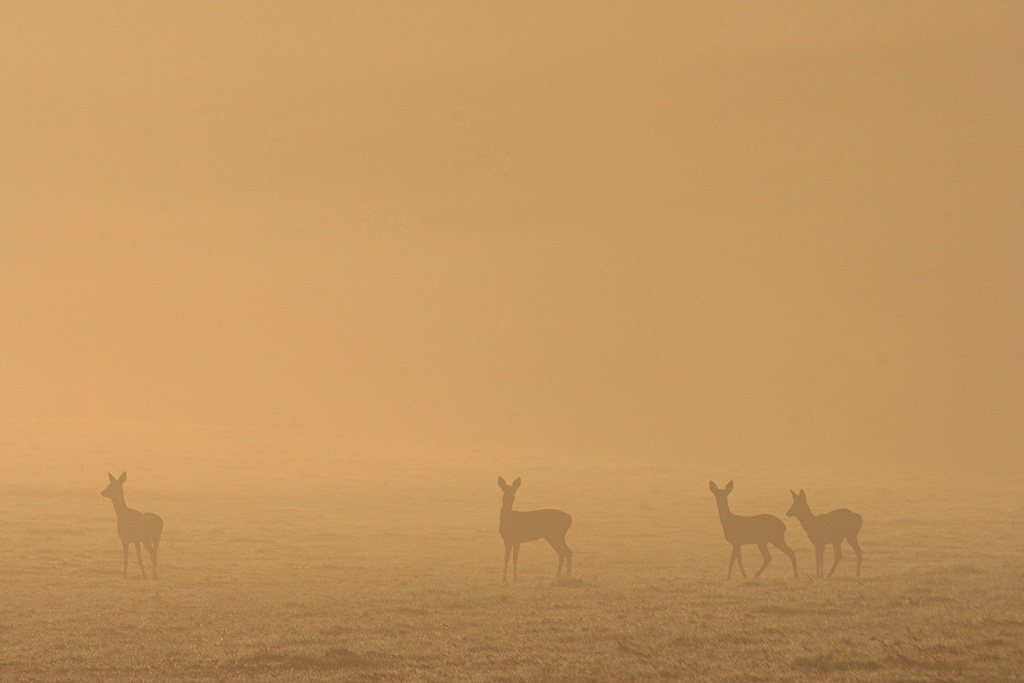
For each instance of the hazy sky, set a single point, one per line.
(775, 230)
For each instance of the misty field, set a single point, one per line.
(297, 558)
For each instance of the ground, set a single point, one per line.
(295, 559)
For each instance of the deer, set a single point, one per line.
(831, 527)
(521, 527)
(140, 528)
(759, 529)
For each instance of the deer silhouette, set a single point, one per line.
(521, 527)
(133, 526)
(831, 527)
(759, 529)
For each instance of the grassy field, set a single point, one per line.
(292, 559)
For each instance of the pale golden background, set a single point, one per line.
(316, 274)
(692, 229)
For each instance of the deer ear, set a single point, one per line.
(802, 494)
(728, 487)
(124, 475)
(712, 486)
(502, 484)
(517, 483)
(794, 495)
(112, 480)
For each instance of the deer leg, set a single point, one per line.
(125, 545)
(819, 555)
(856, 549)
(767, 558)
(839, 555)
(138, 551)
(508, 551)
(561, 557)
(151, 549)
(732, 561)
(564, 555)
(739, 561)
(781, 545)
(515, 562)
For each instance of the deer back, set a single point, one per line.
(756, 529)
(520, 527)
(834, 526)
(134, 526)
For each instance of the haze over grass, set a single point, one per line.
(385, 564)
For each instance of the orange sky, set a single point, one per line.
(655, 229)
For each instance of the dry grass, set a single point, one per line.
(342, 562)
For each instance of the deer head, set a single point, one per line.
(799, 504)
(116, 486)
(509, 494)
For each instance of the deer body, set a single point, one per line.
(518, 527)
(830, 528)
(758, 529)
(140, 528)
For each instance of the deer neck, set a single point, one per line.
(119, 505)
(507, 513)
(723, 513)
(806, 518)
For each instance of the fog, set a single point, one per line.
(709, 233)
(295, 283)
